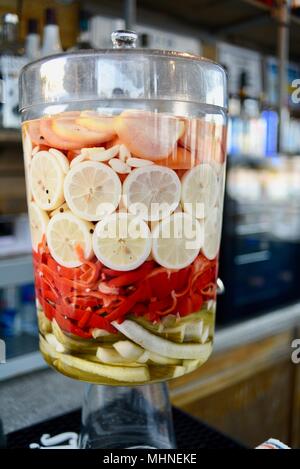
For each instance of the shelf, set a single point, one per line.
(246, 23)
(10, 136)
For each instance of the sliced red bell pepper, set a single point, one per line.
(184, 306)
(67, 326)
(99, 322)
(85, 319)
(141, 294)
(132, 277)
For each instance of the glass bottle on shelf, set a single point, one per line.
(32, 42)
(83, 39)
(11, 61)
(51, 37)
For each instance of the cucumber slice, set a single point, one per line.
(100, 333)
(193, 331)
(52, 340)
(156, 344)
(128, 350)
(144, 357)
(169, 329)
(95, 359)
(176, 334)
(75, 345)
(47, 349)
(159, 359)
(191, 365)
(43, 322)
(205, 334)
(75, 373)
(117, 373)
(166, 372)
(110, 356)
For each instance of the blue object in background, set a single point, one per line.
(9, 317)
(271, 118)
(28, 309)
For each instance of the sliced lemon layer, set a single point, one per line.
(65, 232)
(200, 190)
(152, 191)
(177, 241)
(38, 220)
(92, 190)
(61, 158)
(122, 241)
(46, 180)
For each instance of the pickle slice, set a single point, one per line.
(176, 334)
(47, 349)
(156, 359)
(75, 345)
(111, 356)
(117, 373)
(52, 340)
(156, 344)
(43, 322)
(128, 349)
(191, 365)
(95, 359)
(166, 372)
(75, 373)
(193, 331)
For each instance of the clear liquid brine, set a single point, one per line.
(125, 214)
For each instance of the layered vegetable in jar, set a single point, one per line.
(125, 213)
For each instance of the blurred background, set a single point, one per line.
(250, 388)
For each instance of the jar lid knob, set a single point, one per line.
(124, 39)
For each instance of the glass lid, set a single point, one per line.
(123, 72)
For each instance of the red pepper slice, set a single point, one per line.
(67, 326)
(185, 306)
(141, 294)
(197, 301)
(84, 320)
(131, 277)
(99, 322)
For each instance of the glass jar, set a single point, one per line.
(125, 154)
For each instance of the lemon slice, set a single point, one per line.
(122, 241)
(200, 189)
(92, 190)
(64, 233)
(38, 220)
(46, 180)
(27, 147)
(153, 192)
(61, 158)
(177, 241)
(212, 233)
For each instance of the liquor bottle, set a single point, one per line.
(83, 39)
(51, 38)
(11, 61)
(32, 42)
